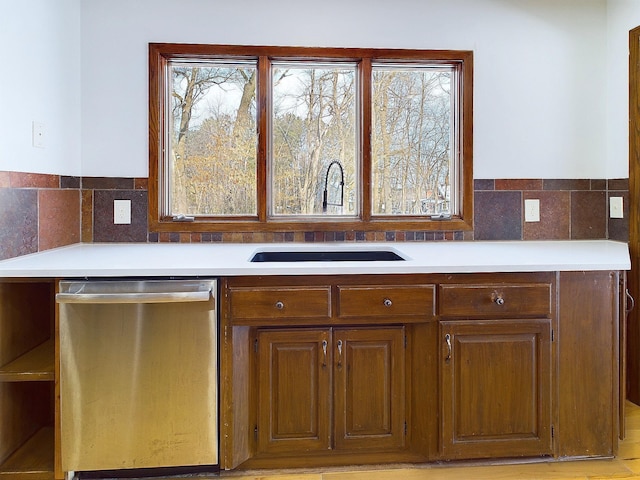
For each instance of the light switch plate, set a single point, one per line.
(38, 134)
(616, 207)
(121, 212)
(532, 210)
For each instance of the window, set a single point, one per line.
(210, 166)
(414, 138)
(313, 140)
(291, 138)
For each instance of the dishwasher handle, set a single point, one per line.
(158, 297)
(135, 292)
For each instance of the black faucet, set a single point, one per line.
(326, 182)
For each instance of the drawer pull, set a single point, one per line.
(387, 302)
(499, 300)
(279, 305)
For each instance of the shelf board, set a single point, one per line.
(35, 365)
(32, 461)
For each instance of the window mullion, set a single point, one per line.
(365, 137)
(263, 126)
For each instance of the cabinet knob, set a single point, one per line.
(499, 301)
(279, 305)
(387, 302)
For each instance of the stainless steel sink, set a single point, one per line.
(328, 256)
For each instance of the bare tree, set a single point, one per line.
(314, 125)
(411, 151)
(193, 176)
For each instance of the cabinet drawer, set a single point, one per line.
(495, 300)
(376, 301)
(280, 302)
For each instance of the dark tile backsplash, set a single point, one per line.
(45, 211)
(37, 212)
(104, 229)
(588, 214)
(18, 222)
(570, 209)
(555, 216)
(58, 218)
(497, 215)
(107, 183)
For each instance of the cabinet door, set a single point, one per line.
(369, 388)
(496, 388)
(294, 391)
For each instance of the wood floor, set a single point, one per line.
(625, 466)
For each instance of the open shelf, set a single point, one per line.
(33, 460)
(35, 365)
(27, 379)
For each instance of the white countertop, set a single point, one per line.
(206, 259)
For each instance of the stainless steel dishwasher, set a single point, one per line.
(138, 374)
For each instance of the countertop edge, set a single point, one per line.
(218, 260)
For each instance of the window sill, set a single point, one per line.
(382, 225)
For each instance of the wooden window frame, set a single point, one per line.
(160, 54)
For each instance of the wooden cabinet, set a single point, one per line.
(496, 299)
(369, 391)
(496, 388)
(419, 368)
(301, 304)
(588, 364)
(496, 376)
(411, 302)
(330, 389)
(294, 391)
(319, 370)
(27, 380)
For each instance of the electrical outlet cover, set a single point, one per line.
(616, 207)
(532, 210)
(122, 212)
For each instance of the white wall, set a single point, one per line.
(540, 108)
(550, 76)
(40, 81)
(623, 15)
